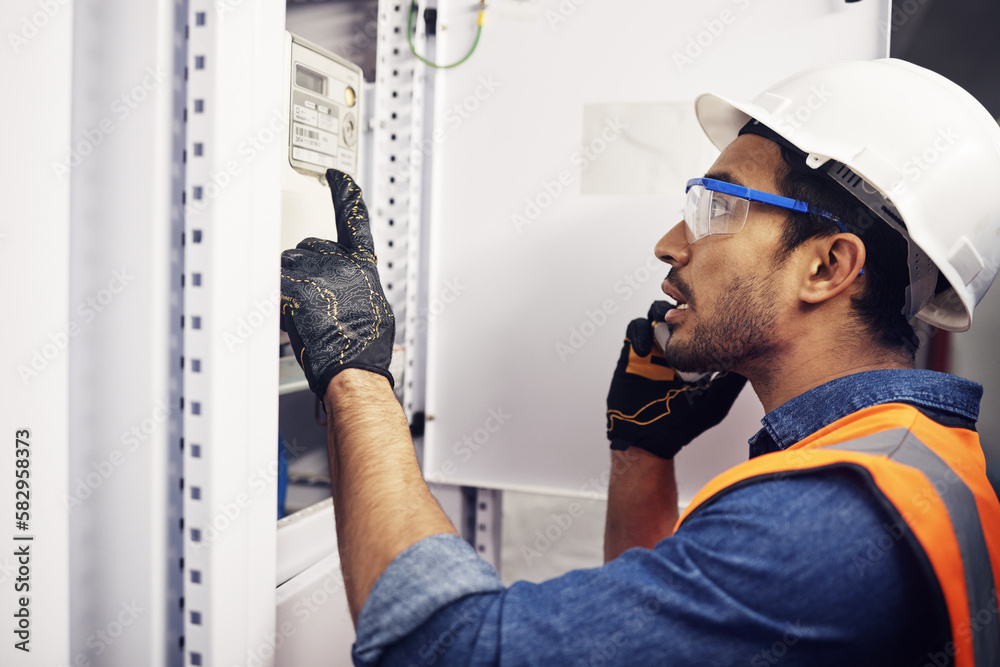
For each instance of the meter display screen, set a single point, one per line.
(310, 80)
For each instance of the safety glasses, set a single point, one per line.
(717, 207)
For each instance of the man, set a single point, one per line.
(862, 531)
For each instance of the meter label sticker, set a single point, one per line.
(312, 138)
(328, 123)
(303, 115)
(313, 157)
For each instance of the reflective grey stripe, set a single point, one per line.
(901, 446)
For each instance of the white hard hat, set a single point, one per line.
(917, 149)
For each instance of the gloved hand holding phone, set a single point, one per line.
(652, 406)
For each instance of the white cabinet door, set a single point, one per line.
(560, 152)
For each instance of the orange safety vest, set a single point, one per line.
(935, 478)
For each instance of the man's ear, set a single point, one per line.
(833, 264)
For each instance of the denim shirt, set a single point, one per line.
(805, 570)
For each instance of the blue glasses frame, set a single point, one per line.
(764, 198)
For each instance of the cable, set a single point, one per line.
(475, 42)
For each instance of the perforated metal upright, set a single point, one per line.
(232, 208)
(398, 176)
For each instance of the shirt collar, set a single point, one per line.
(810, 411)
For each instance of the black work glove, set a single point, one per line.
(332, 304)
(650, 406)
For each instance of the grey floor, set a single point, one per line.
(545, 536)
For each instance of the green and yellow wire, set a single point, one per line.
(475, 42)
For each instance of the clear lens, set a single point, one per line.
(708, 212)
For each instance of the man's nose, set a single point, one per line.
(674, 248)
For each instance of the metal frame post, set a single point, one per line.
(232, 206)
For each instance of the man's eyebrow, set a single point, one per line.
(724, 176)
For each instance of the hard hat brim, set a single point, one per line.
(721, 119)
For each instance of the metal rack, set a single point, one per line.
(398, 176)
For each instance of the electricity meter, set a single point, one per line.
(323, 104)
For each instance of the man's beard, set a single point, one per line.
(740, 335)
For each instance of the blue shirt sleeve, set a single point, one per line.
(805, 570)
(432, 574)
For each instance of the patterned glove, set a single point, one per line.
(650, 406)
(332, 304)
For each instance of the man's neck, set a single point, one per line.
(803, 369)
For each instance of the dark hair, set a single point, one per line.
(880, 304)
